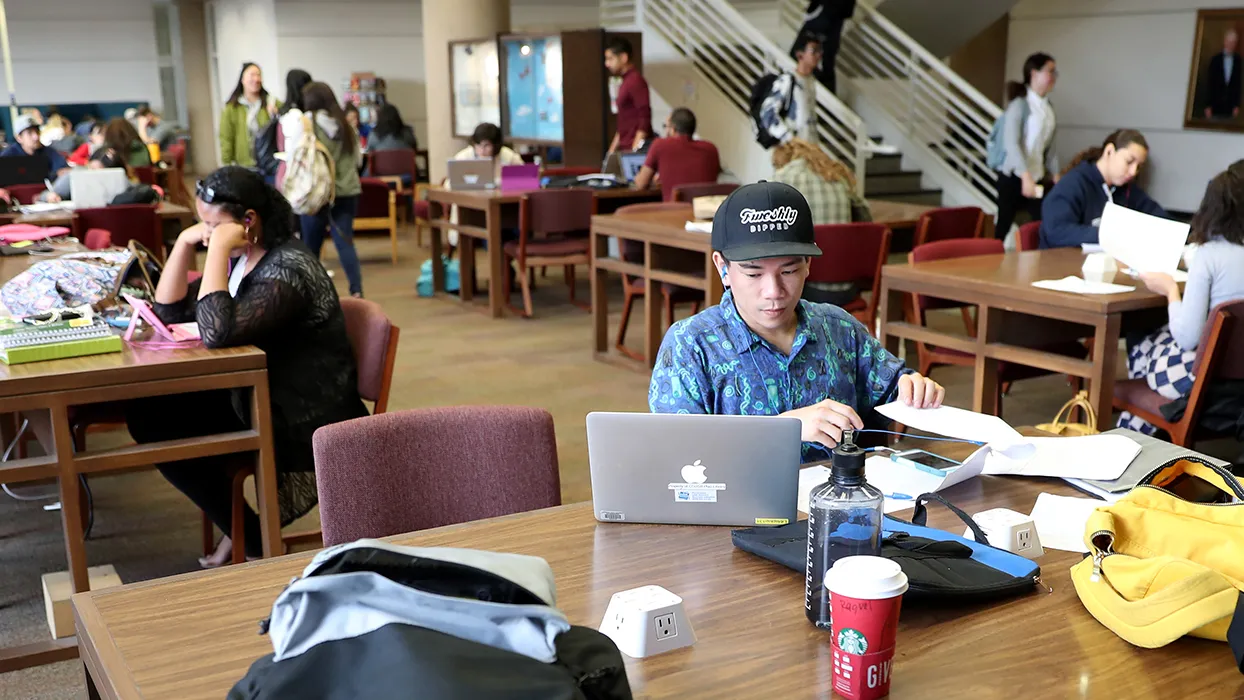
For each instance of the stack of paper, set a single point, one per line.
(1061, 520)
(701, 226)
(1140, 241)
(1079, 285)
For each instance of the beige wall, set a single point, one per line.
(202, 155)
(982, 60)
(442, 23)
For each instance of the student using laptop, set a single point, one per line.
(26, 135)
(679, 159)
(763, 350)
(103, 158)
(485, 142)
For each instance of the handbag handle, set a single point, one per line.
(920, 514)
(1080, 401)
(1201, 469)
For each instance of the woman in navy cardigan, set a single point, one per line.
(1072, 211)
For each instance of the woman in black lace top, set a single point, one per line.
(262, 287)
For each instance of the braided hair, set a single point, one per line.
(817, 159)
(238, 190)
(1221, 214)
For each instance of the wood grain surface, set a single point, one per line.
(193, 636)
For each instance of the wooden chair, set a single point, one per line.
(633, 287)
(422, 213)
(377, 210)
(373, 337)
(953, 222)
(1029, 236)
(1220, 357)
(126, 222)
(687, 193)
(853, 253)
(401, 164)
(553, 227)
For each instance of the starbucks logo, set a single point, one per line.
(852, 641)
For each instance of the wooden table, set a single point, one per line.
(661, 232)
(130, 374)
(167, 211)
(193, 636)
(481, 215)
(1001, 287)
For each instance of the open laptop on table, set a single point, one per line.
(90, 188)
(693, 469)
(472, 174)
(24, 170)
(631, 163)
(516, 178)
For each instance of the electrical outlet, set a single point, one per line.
(1023, 538)
(665, 627)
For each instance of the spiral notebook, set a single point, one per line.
(38, 343)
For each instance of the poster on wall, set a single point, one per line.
(475, 78)
(533, 88)
(1216, 79)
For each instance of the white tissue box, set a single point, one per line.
(1099, 267)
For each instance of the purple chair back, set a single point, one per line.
(395, 162)
(945, 250)
(686, 193)
(373, 338)
(850, 253)
(373, 199)
(25, 194)
(413, 470)
(558, 211)
(1030, 236)
(126, 222)
(97, 239)
(1230, 347)
(949, 222)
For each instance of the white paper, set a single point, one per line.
(1177, 275)
(1099, 457)
(1091, 248)
(41, 207)
(701, 226)
(811, 477)
(1078, 285)
(1141, 241)
(1061, 520)
(952, 422)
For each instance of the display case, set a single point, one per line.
(475, 85)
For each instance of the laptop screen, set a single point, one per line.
(631, 163)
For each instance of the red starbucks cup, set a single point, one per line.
(865, 595)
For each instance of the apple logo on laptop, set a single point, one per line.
(694, 473)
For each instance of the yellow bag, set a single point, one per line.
(1069, 429)
(1162, 566)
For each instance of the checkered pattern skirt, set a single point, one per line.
(1165, 367)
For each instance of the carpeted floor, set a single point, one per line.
(447, 355)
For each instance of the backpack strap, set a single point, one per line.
(920, 515)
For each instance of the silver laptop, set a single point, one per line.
(472, 174)
(90, 188)
(693, 469)
(631, 163)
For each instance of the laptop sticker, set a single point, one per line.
(694, 487)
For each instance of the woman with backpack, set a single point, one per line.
(247, 112)
(1027, 141)
(323, 114)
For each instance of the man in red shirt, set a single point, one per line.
(679, 159)
(634, 109)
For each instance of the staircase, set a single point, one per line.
(940, 122)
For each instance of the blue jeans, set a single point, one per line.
(338, 220)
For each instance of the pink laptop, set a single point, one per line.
(515, 178)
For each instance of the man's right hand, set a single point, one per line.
(824, 422)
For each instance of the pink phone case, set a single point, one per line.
(177, 333)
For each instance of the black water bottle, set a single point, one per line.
(844, 519)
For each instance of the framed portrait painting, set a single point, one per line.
(1216, 79)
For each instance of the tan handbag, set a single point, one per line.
(1069, 429)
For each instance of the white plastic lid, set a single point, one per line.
(866, 578)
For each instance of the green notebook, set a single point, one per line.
(58, 343)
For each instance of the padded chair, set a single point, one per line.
(1029, 236)
(377, 210)
(175, 156)
(126, 222)
(932, 356)
(422, 211)
(373, 337)
(145, 175)
(97, 239)
(397, 163)
(569, 171)
(633, 287)
(946, 223)
(853, 253)
(419, 469)
(25, 194)
(687, 193)
(553, 227)
(1220, 357)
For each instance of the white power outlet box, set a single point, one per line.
(647, 621)
(1006, 529)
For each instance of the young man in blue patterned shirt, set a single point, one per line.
(764, 351)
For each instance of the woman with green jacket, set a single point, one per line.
(247, 112)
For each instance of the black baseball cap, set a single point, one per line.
(764, 220)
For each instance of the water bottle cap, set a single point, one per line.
(866, 578)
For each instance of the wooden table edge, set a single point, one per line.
(95, 642)
(80, 379)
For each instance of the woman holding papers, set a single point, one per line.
(1071, 213)
(1165, 358)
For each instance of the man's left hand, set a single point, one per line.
(920, 392)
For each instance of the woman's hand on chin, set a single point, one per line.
(228, 237)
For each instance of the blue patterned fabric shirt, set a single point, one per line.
(713, 363)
